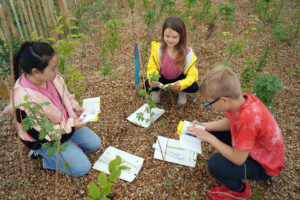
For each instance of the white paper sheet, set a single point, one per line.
(91, 108)
(172, 152)
(135, 163)
(146, 122)
(190, 142)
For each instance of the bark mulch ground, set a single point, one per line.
(119, 99)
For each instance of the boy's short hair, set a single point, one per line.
(221, 81)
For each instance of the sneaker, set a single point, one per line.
(181, 98)
(33, 154)
(223, 193)
(156, 96)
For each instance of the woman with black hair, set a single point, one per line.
(41, 83)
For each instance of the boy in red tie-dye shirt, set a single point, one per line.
(249, 140)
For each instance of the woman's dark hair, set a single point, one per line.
(32, 55)
(177, 24)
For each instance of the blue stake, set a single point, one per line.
(136, 63)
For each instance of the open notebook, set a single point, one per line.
(170, 150)
(91, 108)
(135, 163)
(187, 140)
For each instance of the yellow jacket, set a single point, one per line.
(190, 69)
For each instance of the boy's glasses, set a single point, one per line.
(208, 104)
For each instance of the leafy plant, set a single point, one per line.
(279, 32)
(141, 92)
(106, 68)
(254, 66)
(72, 78)
(163, 123)
(226, 11)
(112, 35)
(115, 168)
(169, 183)
(113, 77)
(68, 46)
(46, 126)
(266, 87)
(4, 57)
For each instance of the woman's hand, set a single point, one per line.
(78, 110)
(175, 87)
(78, 123)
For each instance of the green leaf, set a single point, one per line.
(94, 191)
(114, 175)
(123, 167)
(113, 165)
(106, 190)
(102, 179)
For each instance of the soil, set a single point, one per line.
(119, 99)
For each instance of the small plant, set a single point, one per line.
(115, 170)
(115, 94)
(113, 77)
(266, 87)
(4, 57)
(279, 32)
(106, 68)
(112, 35)
(254, 66)
(256, 195)
(66, 47)
(169, 183)
(141, 92)
(72, 78)
(46, 126)
(163, 123)
(226, 11)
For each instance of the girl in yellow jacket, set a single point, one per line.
(174, 61)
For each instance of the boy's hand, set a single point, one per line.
(175, 87)
(78, 123)
(78, 110)
(200, 133)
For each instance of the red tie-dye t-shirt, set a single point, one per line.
(254, 129)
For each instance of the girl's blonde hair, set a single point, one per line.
(177, 24)
(221, 81)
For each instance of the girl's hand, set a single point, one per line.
(78, 110)
(200, 133)
(78, 123)
(175, 87)
(153, 85)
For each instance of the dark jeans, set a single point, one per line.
(230, 174)
(192, 89)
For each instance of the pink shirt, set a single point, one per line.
(254, 129)
(49, 92)
(168, 68)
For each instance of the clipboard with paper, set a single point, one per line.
(134, 163)
(170, 150)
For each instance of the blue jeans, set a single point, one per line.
(83, 141)
(230, 174)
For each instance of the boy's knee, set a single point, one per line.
(214, 163)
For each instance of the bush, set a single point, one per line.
(266, 87)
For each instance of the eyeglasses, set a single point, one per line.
(208, 104)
